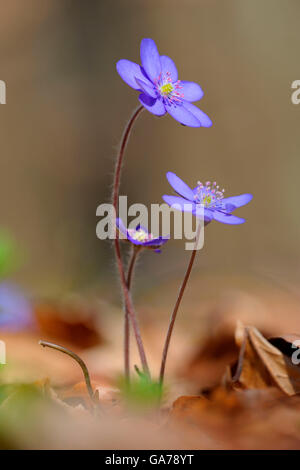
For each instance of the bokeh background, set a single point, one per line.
(65, 112)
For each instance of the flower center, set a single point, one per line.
(209, 194)
(140, 235)
(167, 90)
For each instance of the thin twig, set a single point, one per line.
(78, 360)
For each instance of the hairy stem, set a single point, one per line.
(124, 141)
(78, 360)
(134, 255)
(126, 294)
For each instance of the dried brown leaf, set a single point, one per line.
(262, 365)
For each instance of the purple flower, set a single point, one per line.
(209, 196)
(160, 90)
(141, 237)
(16, 312)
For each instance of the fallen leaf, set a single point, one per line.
(69, 323)
(262, 365)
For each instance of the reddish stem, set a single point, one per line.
(124, 141)
(174, 314)
(132, 262)
(126, 293)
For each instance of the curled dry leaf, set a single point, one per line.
(262, 365)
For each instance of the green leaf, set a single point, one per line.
(142, 392)
(8, 259)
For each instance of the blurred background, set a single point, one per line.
(65, 113)
(60, 130)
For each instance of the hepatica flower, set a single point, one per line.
(140, 237)
(16, 312)
(208, 196)
(160, 90)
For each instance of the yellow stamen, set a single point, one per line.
(140, 235)
(206, 200)
(166, 89)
